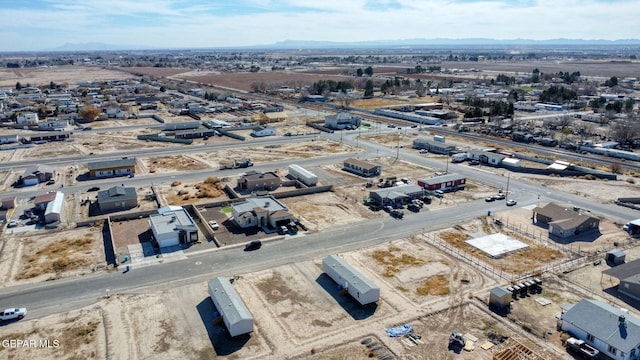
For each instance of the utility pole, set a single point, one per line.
(506, 195)
(398, 147)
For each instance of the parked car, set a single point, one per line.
(500, 196)
(214, 225)
(511, 202)
(474, 162)
(282, 230)
(413, 207)
(95, 188)
(396, 213)
(12, 223)
(51, 181)
(253, 245)
(490, 198)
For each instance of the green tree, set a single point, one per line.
(368, 71)
(368, 88)
(163, 89)
(18, 85)
(359, 72)
(535, 76)
(613, 81)
(52, 85)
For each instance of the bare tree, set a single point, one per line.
(626, 129)
(88, 113)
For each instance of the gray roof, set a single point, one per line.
(442, 179)
(398, 191)
(109, 164)
(168, 221)
(625, 270)
(227, 301)
(602, 321)
(361, 163)
(500, 291)
(266, 202)
(356, 280)
(118, 193)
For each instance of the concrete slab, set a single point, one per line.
(497, 245)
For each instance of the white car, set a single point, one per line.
(214, 225)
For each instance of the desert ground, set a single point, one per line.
(69, 75)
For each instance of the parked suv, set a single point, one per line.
(13, 314)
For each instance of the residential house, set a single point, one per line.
(628, 275)
(8, 203)
(397, 195)
(342, 120)
(613, 331)
(263, 131)
(34, 175)
(448, 182)
(172, 226)
(564, 221)
(41, 201)
(261, 211)
(27, 119)
(117, 198)
(362, 167)
(254, 181)
(108, 168)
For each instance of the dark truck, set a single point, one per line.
(235, 164)
(582, 348)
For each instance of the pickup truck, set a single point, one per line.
(12, 314)
(582, 348)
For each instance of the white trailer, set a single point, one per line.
(305, 176)
(228, 303)
(357, 285)
(459, 157)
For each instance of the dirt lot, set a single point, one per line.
(70, 75)
(302, 313)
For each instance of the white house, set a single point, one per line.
(172, 225)
(54, 208)
(263, 131)
(260, 211)
(611, 330)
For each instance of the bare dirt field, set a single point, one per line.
(36, 256)
(243, 81)
(70, 75)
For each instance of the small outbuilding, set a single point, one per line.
(357, 285)
(615, 257)
(54, 208)
(234, 312)
(500, 299)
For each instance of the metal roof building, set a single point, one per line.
(356, 284)
(234, 312)
(117, 198)
(54, 208)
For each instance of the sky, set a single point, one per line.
(29, 25)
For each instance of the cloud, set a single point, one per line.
(41, 24)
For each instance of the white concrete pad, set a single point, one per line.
(497, 245)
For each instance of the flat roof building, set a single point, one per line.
(172, 225)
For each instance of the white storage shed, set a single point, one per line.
(305, 176)
(357, 285)
(234, 312)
